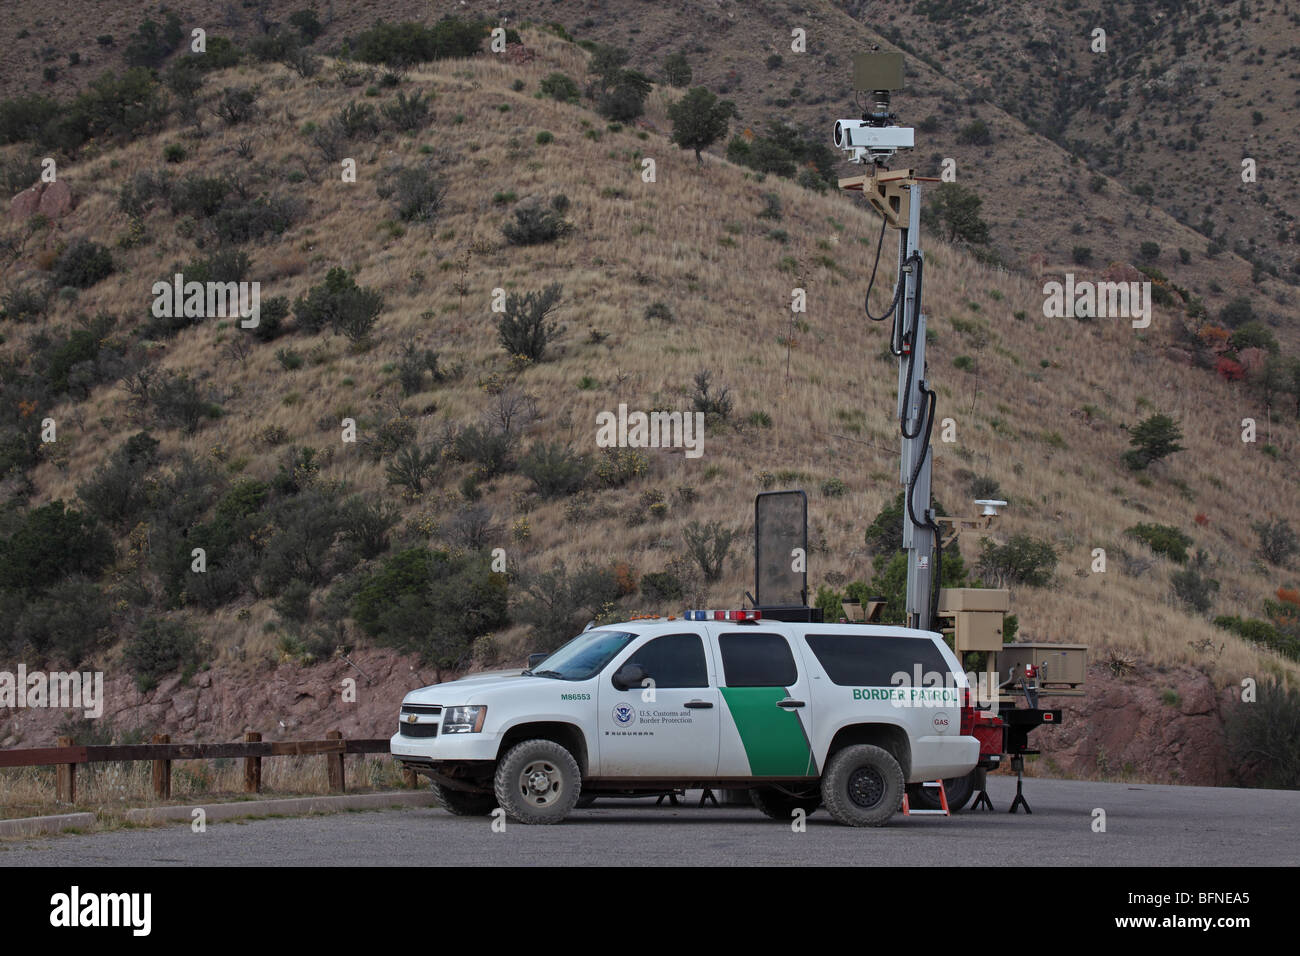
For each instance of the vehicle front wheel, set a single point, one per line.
(781, 806)
(538, 781)
(463, 803)
(862, 786)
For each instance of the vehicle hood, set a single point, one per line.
(475, 688)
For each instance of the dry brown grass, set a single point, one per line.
(109, 789)
(637, 243)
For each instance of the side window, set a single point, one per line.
(674, 660)
(757, 660)
(862, 660)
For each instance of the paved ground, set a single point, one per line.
(1145, 825)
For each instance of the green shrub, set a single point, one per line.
(661, 586)
(1022, 560)
(715, 404)
(535, 224)
(560, 87)
(158, 648)
(51, 543)
(408, 113)
(1193, 587)
(82, 264)
(524, 328)
(406, 44)
(660, 311)
(174, 153)
(432, 603)
(237, 104)
(557, 604)
(418, 193)
(1162, 539)
(67, 622)
(554, 469)
(615, 467)
(153, 42)
(708, 546)
(834, 488)
(975, 133)
(412, 467)
(339, 304)
(117, 493)
(1264, 737)
(1278, 542)
(1153, 439)
(489, 447)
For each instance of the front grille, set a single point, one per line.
(421, 709)
(417, 730)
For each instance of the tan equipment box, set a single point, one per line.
(1062, 664)
(977, 615)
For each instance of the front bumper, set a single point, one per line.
(448, 747)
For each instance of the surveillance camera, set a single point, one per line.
(862, 139)
(990, 506)
(842, 132)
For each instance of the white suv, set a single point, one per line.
(798, 714)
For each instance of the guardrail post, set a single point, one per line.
(334, 765)
(162, 771)
(66, 777)
(252, 766)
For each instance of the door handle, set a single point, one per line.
(696, 704)
(789, 703)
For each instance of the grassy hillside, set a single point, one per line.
(1039, 405)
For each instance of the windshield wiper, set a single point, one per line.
(547, 674)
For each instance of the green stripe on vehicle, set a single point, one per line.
(773, 736)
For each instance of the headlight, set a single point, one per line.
(464, 720)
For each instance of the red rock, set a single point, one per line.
(26, 203)
(56, 200)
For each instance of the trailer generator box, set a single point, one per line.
(1060, 665)
(977, 616)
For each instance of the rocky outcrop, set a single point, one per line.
(52, 200)
(1159, 727)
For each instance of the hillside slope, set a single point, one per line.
(1040, 405)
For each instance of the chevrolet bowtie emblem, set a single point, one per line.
(412, 718)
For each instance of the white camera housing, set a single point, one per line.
(990, 506)
(876, 141)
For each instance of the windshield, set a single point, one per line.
(584, 656)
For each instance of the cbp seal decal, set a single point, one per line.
(624, 715)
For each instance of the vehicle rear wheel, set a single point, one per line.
(538, 781)
(781, 806)
(862, 786)
(958, 790)
(463, 803)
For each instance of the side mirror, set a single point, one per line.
(629, 676)
(535, 659)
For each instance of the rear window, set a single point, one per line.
(863, 660)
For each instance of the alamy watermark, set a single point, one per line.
(207, 300)
(651, 430)
(1100, 300)
(57, 690)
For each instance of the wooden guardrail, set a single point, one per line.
(67, 755)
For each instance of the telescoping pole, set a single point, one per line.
(914, 414)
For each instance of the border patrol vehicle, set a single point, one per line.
(799, 714)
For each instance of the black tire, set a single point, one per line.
(537, 782)
(862, 786)
(463, 803)
(781, 806)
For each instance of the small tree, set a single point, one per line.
(1278, 542)
(708, 546)
(1153, 439)
(524, 328)
(677, 71)
(957, 208)
(700, 120)
(1022, 560)
(1193, 586)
